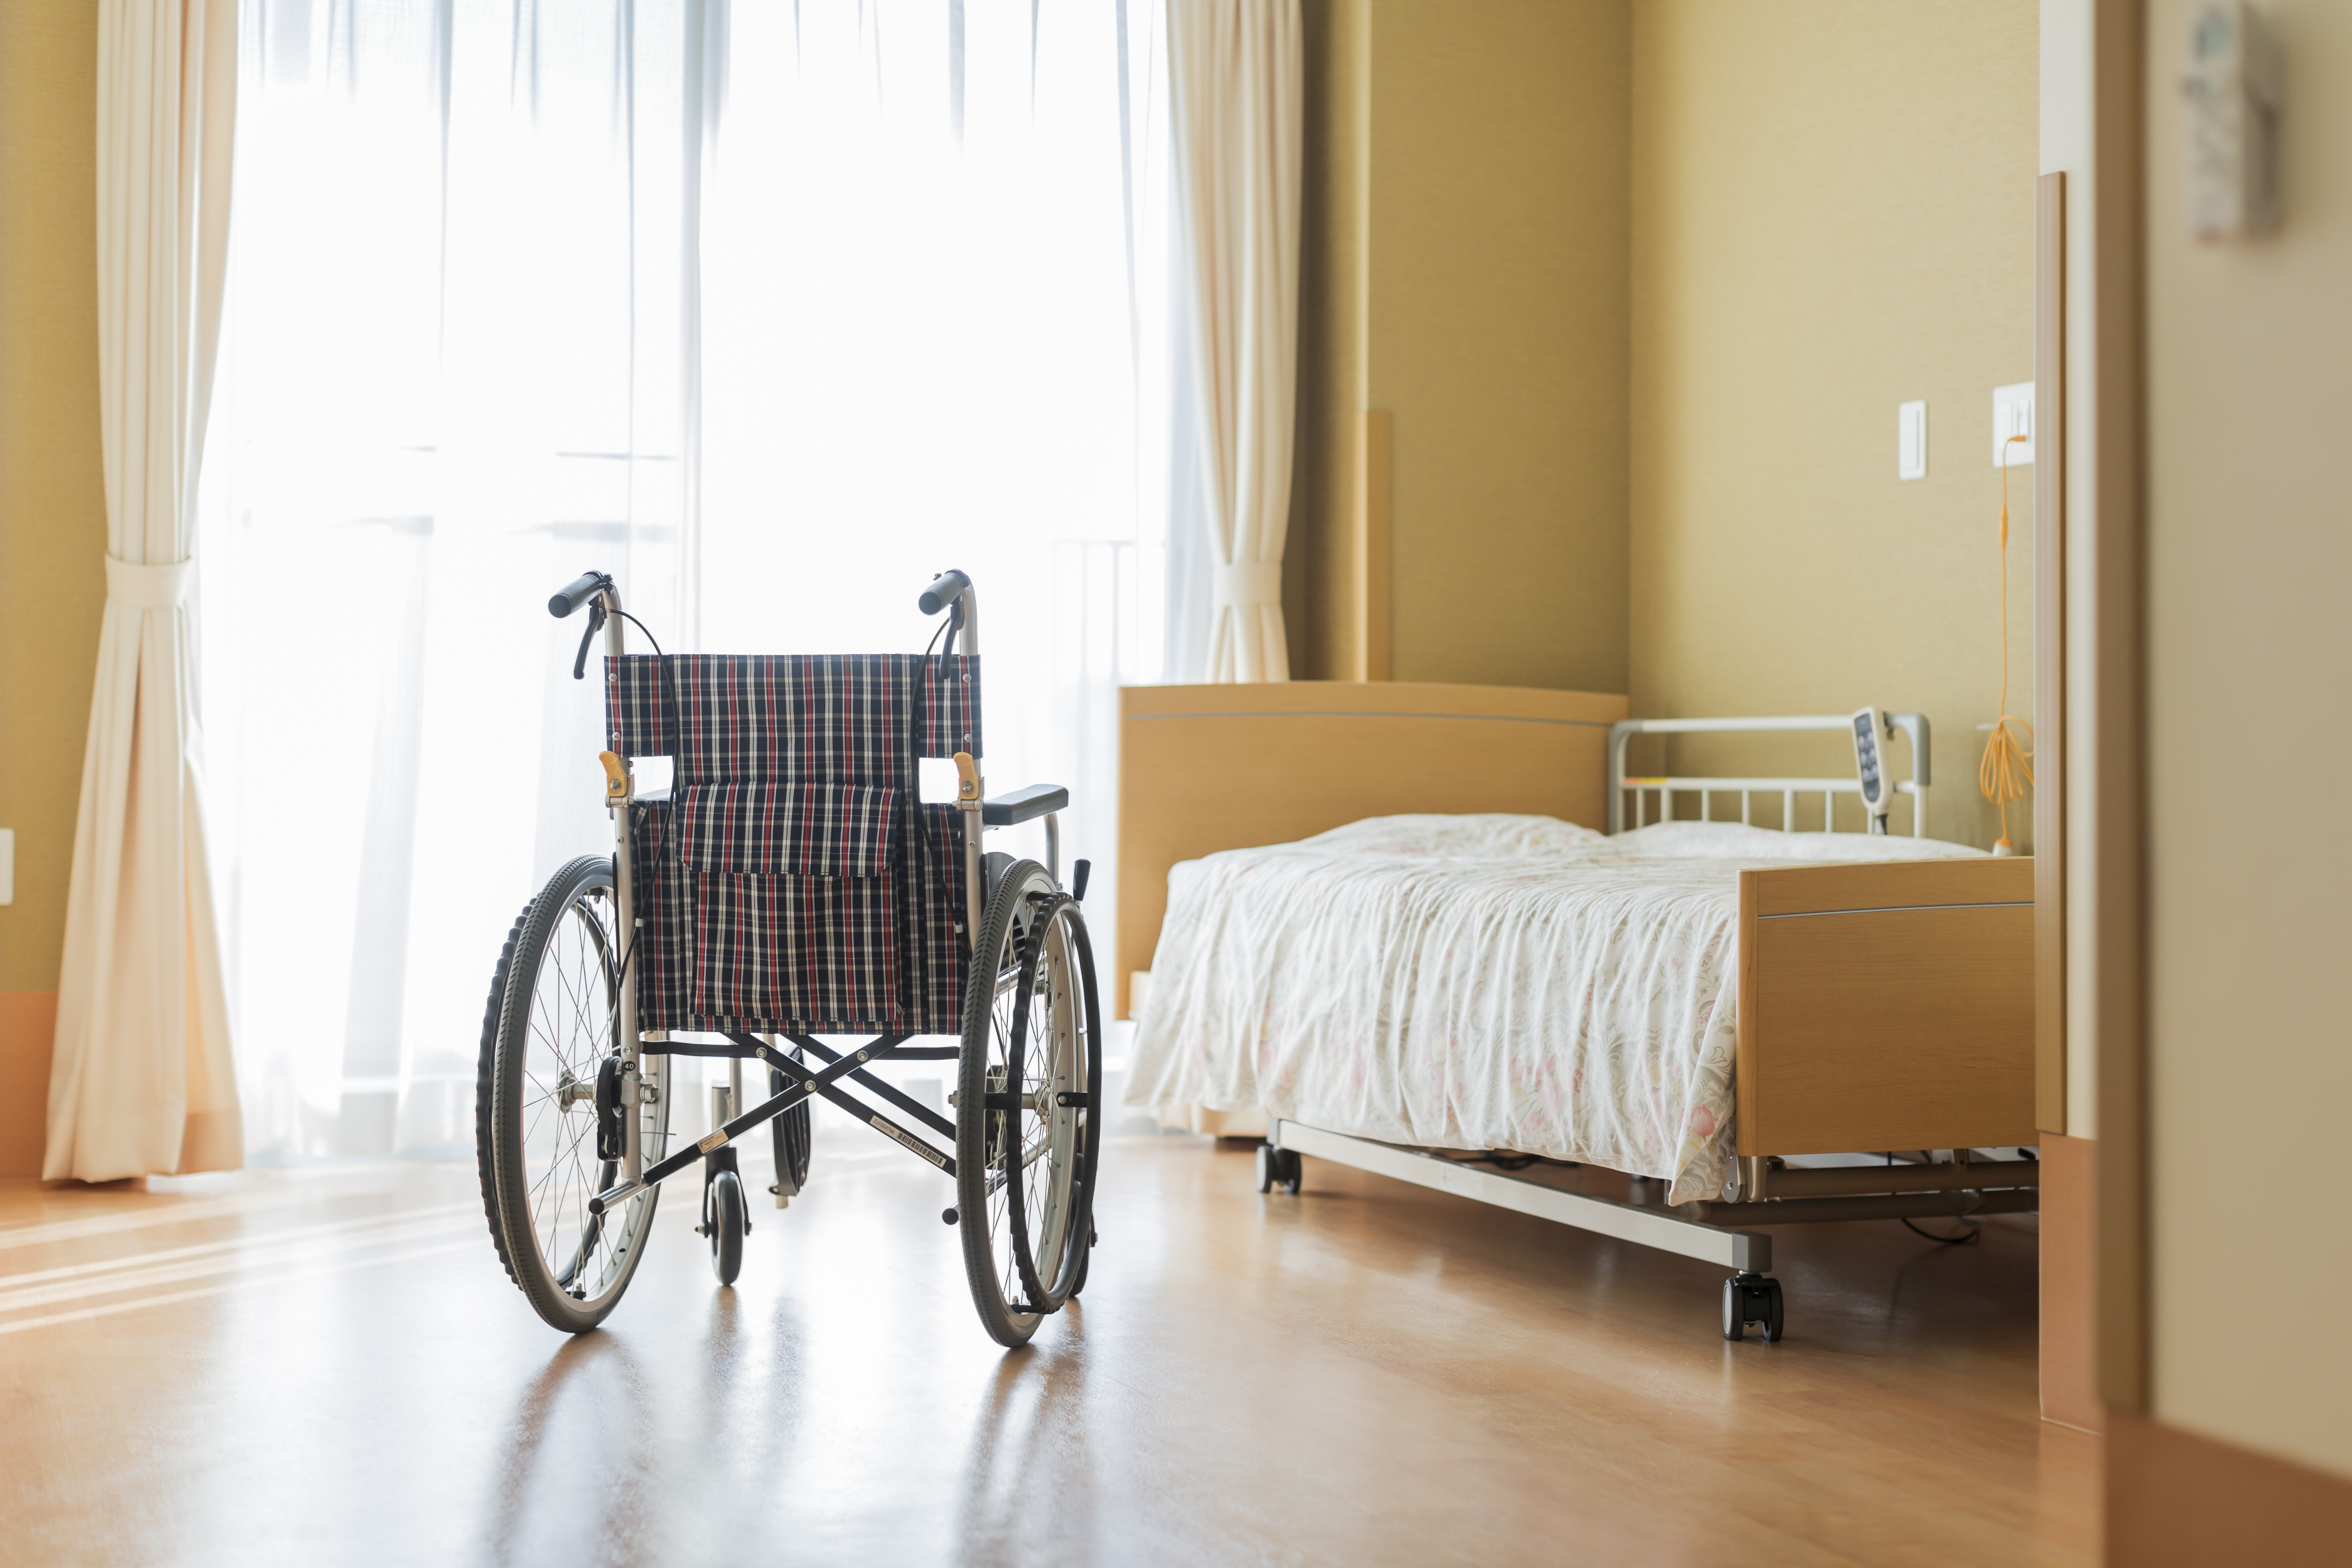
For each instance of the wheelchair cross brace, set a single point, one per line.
(808, 1084)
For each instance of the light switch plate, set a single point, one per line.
(2012, 415)
(1911, 440)
(7, 865)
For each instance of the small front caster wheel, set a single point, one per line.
(725, 1226)
(1269, 1158)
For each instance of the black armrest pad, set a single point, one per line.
(1022, 804)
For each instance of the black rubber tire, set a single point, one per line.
(1772, 1312)
(1085, 1263)
(1294, 1170)
(500, 1101)
(485, 1076)
(1025, 901)
(1735, 1325)
(727, 1221)
(1269, 1161)
(1051, 913)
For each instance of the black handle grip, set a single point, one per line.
(945, 590)
(1079, 871)
(577, 592)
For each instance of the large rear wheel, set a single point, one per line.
(548, 1121)
(1025, 1142)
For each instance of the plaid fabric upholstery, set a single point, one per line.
(794, 883)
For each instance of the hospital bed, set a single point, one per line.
(1883, 1005)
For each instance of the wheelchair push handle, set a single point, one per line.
(578, 592)
(946, 590)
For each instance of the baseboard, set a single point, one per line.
(29, 1029)
(2070, 1392)
(2175, 1499)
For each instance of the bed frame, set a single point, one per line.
(1884, 1006)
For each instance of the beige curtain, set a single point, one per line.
(142, 1081)
(1233, 81)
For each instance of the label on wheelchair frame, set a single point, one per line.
(909, 1141)
(712, 1141)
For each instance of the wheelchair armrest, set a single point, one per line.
(1022, 804)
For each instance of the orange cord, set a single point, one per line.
(2007, 771)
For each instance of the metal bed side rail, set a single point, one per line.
(1621, 736)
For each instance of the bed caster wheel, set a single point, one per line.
(1278, 1168)
(1751, 1298)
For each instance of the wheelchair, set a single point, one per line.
(790, 882)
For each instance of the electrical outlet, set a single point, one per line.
(7, 865)
(1911, 440)
(2012, 415)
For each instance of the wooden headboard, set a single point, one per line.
(1204, 768)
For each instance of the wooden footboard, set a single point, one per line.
(1885, 1006)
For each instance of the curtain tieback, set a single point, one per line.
(1248, 582)
(136, 585)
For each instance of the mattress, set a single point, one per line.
(1486, 981)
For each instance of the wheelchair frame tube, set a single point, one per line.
(807, 1084)
(719, 1137)
(632, 1153)
(967, 611)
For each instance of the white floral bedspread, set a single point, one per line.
(1474, 982)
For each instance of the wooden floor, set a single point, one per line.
(327, 1366)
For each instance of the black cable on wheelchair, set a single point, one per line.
(628, 951)
(641, 626)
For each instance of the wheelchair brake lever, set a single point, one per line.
(595, 624)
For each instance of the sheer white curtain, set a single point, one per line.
(449, 380)
(774, 313)
(933, 256)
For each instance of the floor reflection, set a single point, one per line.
(578, 1459)
(1384, 1375)
(1028, 1487)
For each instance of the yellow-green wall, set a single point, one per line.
(1321, 554)
(1833, 213)
(1463, 269)
(1641, 283)
(52, 511)
(1496, 318)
